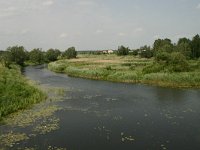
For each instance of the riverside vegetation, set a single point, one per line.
(166, 64)
(16, 92)
(127, 69)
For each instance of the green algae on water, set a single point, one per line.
(29, 117)
(12, 138)
(47, 126)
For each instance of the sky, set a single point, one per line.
(95, 24)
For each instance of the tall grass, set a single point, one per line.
(16, 92)
(128, 69)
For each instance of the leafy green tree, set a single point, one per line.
(185, 49)
(184, 46)
(36, 56)
(16, 54)
(184, 40)
(52, 55)
(146, 52)
(195, 46)
(163, 45)
(134, 52)
(122, 50)
(70, 53)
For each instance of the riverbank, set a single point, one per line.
(16, 92)
(128, 69)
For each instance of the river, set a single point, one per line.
(100, 115)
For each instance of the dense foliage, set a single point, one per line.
(122, 50)
(52, 55)
(15, 91)
(36, 56)
(16, 54)
(70, 53)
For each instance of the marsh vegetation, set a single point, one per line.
(16, 92)
(130, 69)
(165, 64)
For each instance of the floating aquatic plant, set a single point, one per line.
(12, 138)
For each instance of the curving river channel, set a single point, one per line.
(100, 115)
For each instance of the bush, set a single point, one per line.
(178, 62)
(153, 68)
(162, 57)
(16, 92)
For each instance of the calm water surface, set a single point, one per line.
(102, 115)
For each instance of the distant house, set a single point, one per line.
(110, 51)
(105, 51)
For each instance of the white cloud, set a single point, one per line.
(16, 7)
(198, 6)
(24, 31)
(99, 31)
(122, 34)
(8, 11)
(48, 3)
(63, 35)
(86, 3)
(139, 29)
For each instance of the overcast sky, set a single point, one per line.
(95, 24)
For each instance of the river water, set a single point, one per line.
(102, 115)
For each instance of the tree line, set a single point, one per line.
(168, 56)
(163, 50)
(19, 55)
(189, 48)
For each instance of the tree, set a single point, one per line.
(185, 49)
(16, 54)
(52, 55)
(70, 53)
(195, 44)
(184, 40)
(36, 56)
(134, 52)
(122, 50)
(163, 45)
(146, 52)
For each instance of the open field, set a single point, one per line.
(127, 69)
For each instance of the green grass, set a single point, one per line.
(16, 92)
(127, 69)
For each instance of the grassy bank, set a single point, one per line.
(16, 92)
(127, 69)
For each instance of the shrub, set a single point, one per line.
(178, 62)
(162, 57)
(156, 67)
